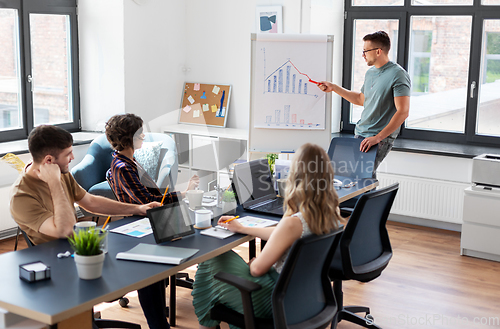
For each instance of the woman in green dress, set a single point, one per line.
(311, 208)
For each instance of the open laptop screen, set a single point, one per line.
(252, 181)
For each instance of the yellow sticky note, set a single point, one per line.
(216, 90)
(196, 114)
(214, 108)
(205, 107)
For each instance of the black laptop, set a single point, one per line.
(254, 188)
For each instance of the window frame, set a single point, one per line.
(57, 7)
(404, 13)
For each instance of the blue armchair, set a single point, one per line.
(90, 173)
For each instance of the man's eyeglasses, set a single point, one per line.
(365, 51)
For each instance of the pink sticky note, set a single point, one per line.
(196, 86)
(187, 109)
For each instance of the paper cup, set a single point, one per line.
(203, 218)
(194, 197)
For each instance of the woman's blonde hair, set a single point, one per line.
(309, 189)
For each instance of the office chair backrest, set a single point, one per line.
(365, 245)
(303, 290)
(348, 161)
(27, 239)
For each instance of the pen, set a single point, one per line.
(106, 223)
(230, 219)
(164, 194)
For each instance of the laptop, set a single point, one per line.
(170, 222)
(254, 188)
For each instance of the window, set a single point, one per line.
(39, 76)
(451, 50)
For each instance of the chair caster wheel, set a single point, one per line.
(369, 319)
(124, 301)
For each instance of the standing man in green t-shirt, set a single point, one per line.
(385, 96)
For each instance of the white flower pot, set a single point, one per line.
(89, 267)
(229, 208)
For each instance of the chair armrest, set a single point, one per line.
(240, 283)
(245, 287)
(346, 212)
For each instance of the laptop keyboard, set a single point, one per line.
(274, 204)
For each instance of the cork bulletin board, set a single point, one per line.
(205, 104)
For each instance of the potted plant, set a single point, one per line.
(89, 258)
(229, 202)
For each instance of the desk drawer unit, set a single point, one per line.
(481, 226)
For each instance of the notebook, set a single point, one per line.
(254, 188)
(151, 253)
(170, 222)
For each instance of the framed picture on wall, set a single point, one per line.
(269, 19)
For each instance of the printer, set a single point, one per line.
(481, 212)
(486, 171)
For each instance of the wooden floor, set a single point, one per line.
(426, 285)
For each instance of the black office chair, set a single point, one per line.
(348, 161)
(99, 323)
(303, 296)
(364, 250)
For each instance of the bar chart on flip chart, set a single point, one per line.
(287, 107)
(286, 96)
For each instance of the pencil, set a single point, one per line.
(230, 219)
(106, 223)
(164, 194)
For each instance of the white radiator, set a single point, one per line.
(426, 198)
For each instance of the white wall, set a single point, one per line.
(155, 52)
(102, 58)
(131, 58)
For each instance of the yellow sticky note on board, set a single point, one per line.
(216, 90)
(214, 108)
(205, 107)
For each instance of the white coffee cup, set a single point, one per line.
(194, 197)
(203, 218)
(85, 225)
(282, 187)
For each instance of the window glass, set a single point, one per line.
(50, 49)
(490, 2)
(488, 113)
(442, 2)
(438, 68)
(10, 73)
(377, 2)
(363, 27)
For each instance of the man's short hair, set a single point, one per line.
(379, 39)
(48, 140)
(120, 130)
